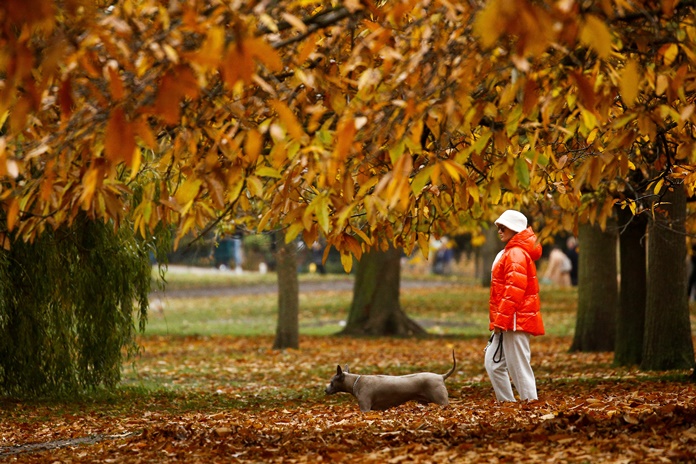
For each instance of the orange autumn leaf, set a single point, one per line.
(119, 138)
(12, 214)
(288, 118)
(176, 85)
(115, 84)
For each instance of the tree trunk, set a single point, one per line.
(375, 309)
(489, 250)
(668, 343)
(630, 325)
(287, 331)
(595, 328)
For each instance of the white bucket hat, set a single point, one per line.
(513, 220)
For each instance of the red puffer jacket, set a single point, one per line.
(514, 303)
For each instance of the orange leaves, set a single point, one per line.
(177, 84)
(115, 84)
(38, 14)
(240, 59)
(263, 405)
(345, 134)
(12, 214)
(65, 99)
(531, 25)
(119, 138)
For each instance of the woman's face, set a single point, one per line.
(504, 233)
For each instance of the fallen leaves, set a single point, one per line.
(223, 399)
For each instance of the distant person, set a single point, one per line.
(222, 254)
(514, 309)
(558, 268)
(237, 256)
(443, 258)
(572, 253)
(318, 257)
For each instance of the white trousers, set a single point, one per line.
(513, 362)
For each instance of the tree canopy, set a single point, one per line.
(368, 123)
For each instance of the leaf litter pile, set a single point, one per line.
(232, 399)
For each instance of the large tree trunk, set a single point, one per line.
(287, 331)
(630, 325)
(375, 309)
(489, 250)
(668, 343)
(595, 328)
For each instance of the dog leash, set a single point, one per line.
(498, 350)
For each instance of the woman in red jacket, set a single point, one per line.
(514, 309)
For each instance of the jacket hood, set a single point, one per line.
(527, 240)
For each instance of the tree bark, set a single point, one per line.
(630, 325)
(375, 309)
(668, 343)
(595, 328)
(489, 250)
(287, 330)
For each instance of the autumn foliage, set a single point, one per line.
(366, 123)
(228, 399)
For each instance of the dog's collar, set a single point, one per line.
(356, 382)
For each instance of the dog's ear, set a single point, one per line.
(338, 370)
(345, 369)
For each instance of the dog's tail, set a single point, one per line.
(454, 360)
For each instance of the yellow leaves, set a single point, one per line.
(208, 57)
(186, 193)
(287, 117)
(668, 53)
(657, 186)
(308, 47)
(490, 21)
(421, 179)
(91, 180)
(597, 36)
(320, 209)
(455, 170)
(494, 192)
(630, 82)
(347, 261)
(253, 143)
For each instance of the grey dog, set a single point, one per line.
(376, 392)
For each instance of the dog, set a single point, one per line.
(379, 392)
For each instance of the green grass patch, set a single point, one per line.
(450, 308)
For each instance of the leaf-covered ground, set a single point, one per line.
(232, 399)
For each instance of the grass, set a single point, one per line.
(459, 308)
